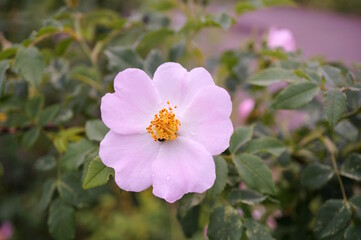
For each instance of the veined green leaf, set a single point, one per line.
(272, 75)
(266, 144)
(98, 174)
(221, 176)
(240, 136)
(61, 221)
(31, 65)
(316, 175)
(336, 106)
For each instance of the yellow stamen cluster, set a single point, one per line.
(164, 126)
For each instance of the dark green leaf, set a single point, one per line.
(272, 75)
(332, 218)
(296, 95)
(95, 130)
(34, 106)
(246, 196)
(48, 114)
(153, 39)
(189, 201)
(45, 163)
(31, 65)
(353, 232)
(190, 221)
(221, 176)
(336, 106)
(63, 45)
(256, 231)
(153, 60)
(61, 221)
(240, 136)
(351, 168)
(356, 204)
(122, 58)
(48, 191)
(266, 144)
(254, 172)
(30, 137)
(3, 67)
(315, 175)
(177, 51)
(98, 174)
(76, 153)
(71, 191)
(225, 223)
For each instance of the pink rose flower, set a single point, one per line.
(281, 38)
(245, 108)
(6, 230)
(163, 132)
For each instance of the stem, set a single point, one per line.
(337, 172)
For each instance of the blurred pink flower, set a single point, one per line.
(281, 38)
(271, 222)
(291, 120)
(154, 143)
(258, 212)
(6, 231)
(245, 108)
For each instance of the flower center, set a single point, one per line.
(164, 126)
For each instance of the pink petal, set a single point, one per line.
(207, 121)
(182, 166)
(178, 86)
(245, 108)
(131, 156)
(131, 108)
(282, 38)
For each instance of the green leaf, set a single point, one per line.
(95, 130)
(224, 20)
(31, 65)
(353, 231)
(8, 53)
(351, 168)
(30, 137)
(243, 7)
(240, 136)
(61, 221)
(273, 75)
(316, 175)
(254, 172)
(247, 196)
(63, 45)
(48, 191)
(256, 231)
(153, 39)
(76, 153)
(356, 204)
(266, 144)
(190, 221)
(121, 58)
(45, 163)
(153, 61)
(336, 106)
(34, 106)
(177, 51)
(71, 191)
(98, 174)
(225, 223)
(332, 218)
(296, 95)
(333, 75)
(221, 176)
(48, 114)
(4, 65)
(189, 201)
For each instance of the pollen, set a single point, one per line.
(164, 126)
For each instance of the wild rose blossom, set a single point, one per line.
(281, 38)
(163, 132)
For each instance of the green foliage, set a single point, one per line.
(97, 174)
(61, 220)
(240, 136)
(316, 175)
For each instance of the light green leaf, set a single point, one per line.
(243, 7)
(240, 136)
(351, 168)
(256, 231)
(266, 144)
(4, 65)
(296, 95)
(98, 174)
(221, 176)
(254, 172)
(61, 221)
(224, 20)
(333, 75)
(336, 106)
(153, 39)
(31, 65)
(225, 223)
(48, 191)
(121, 58)
(273, 75)
(48, 114)
(95, 130)
(30, 137)
(332, 218)
(8, 53)
(76, 153)
(247, 196)
(316, 175)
